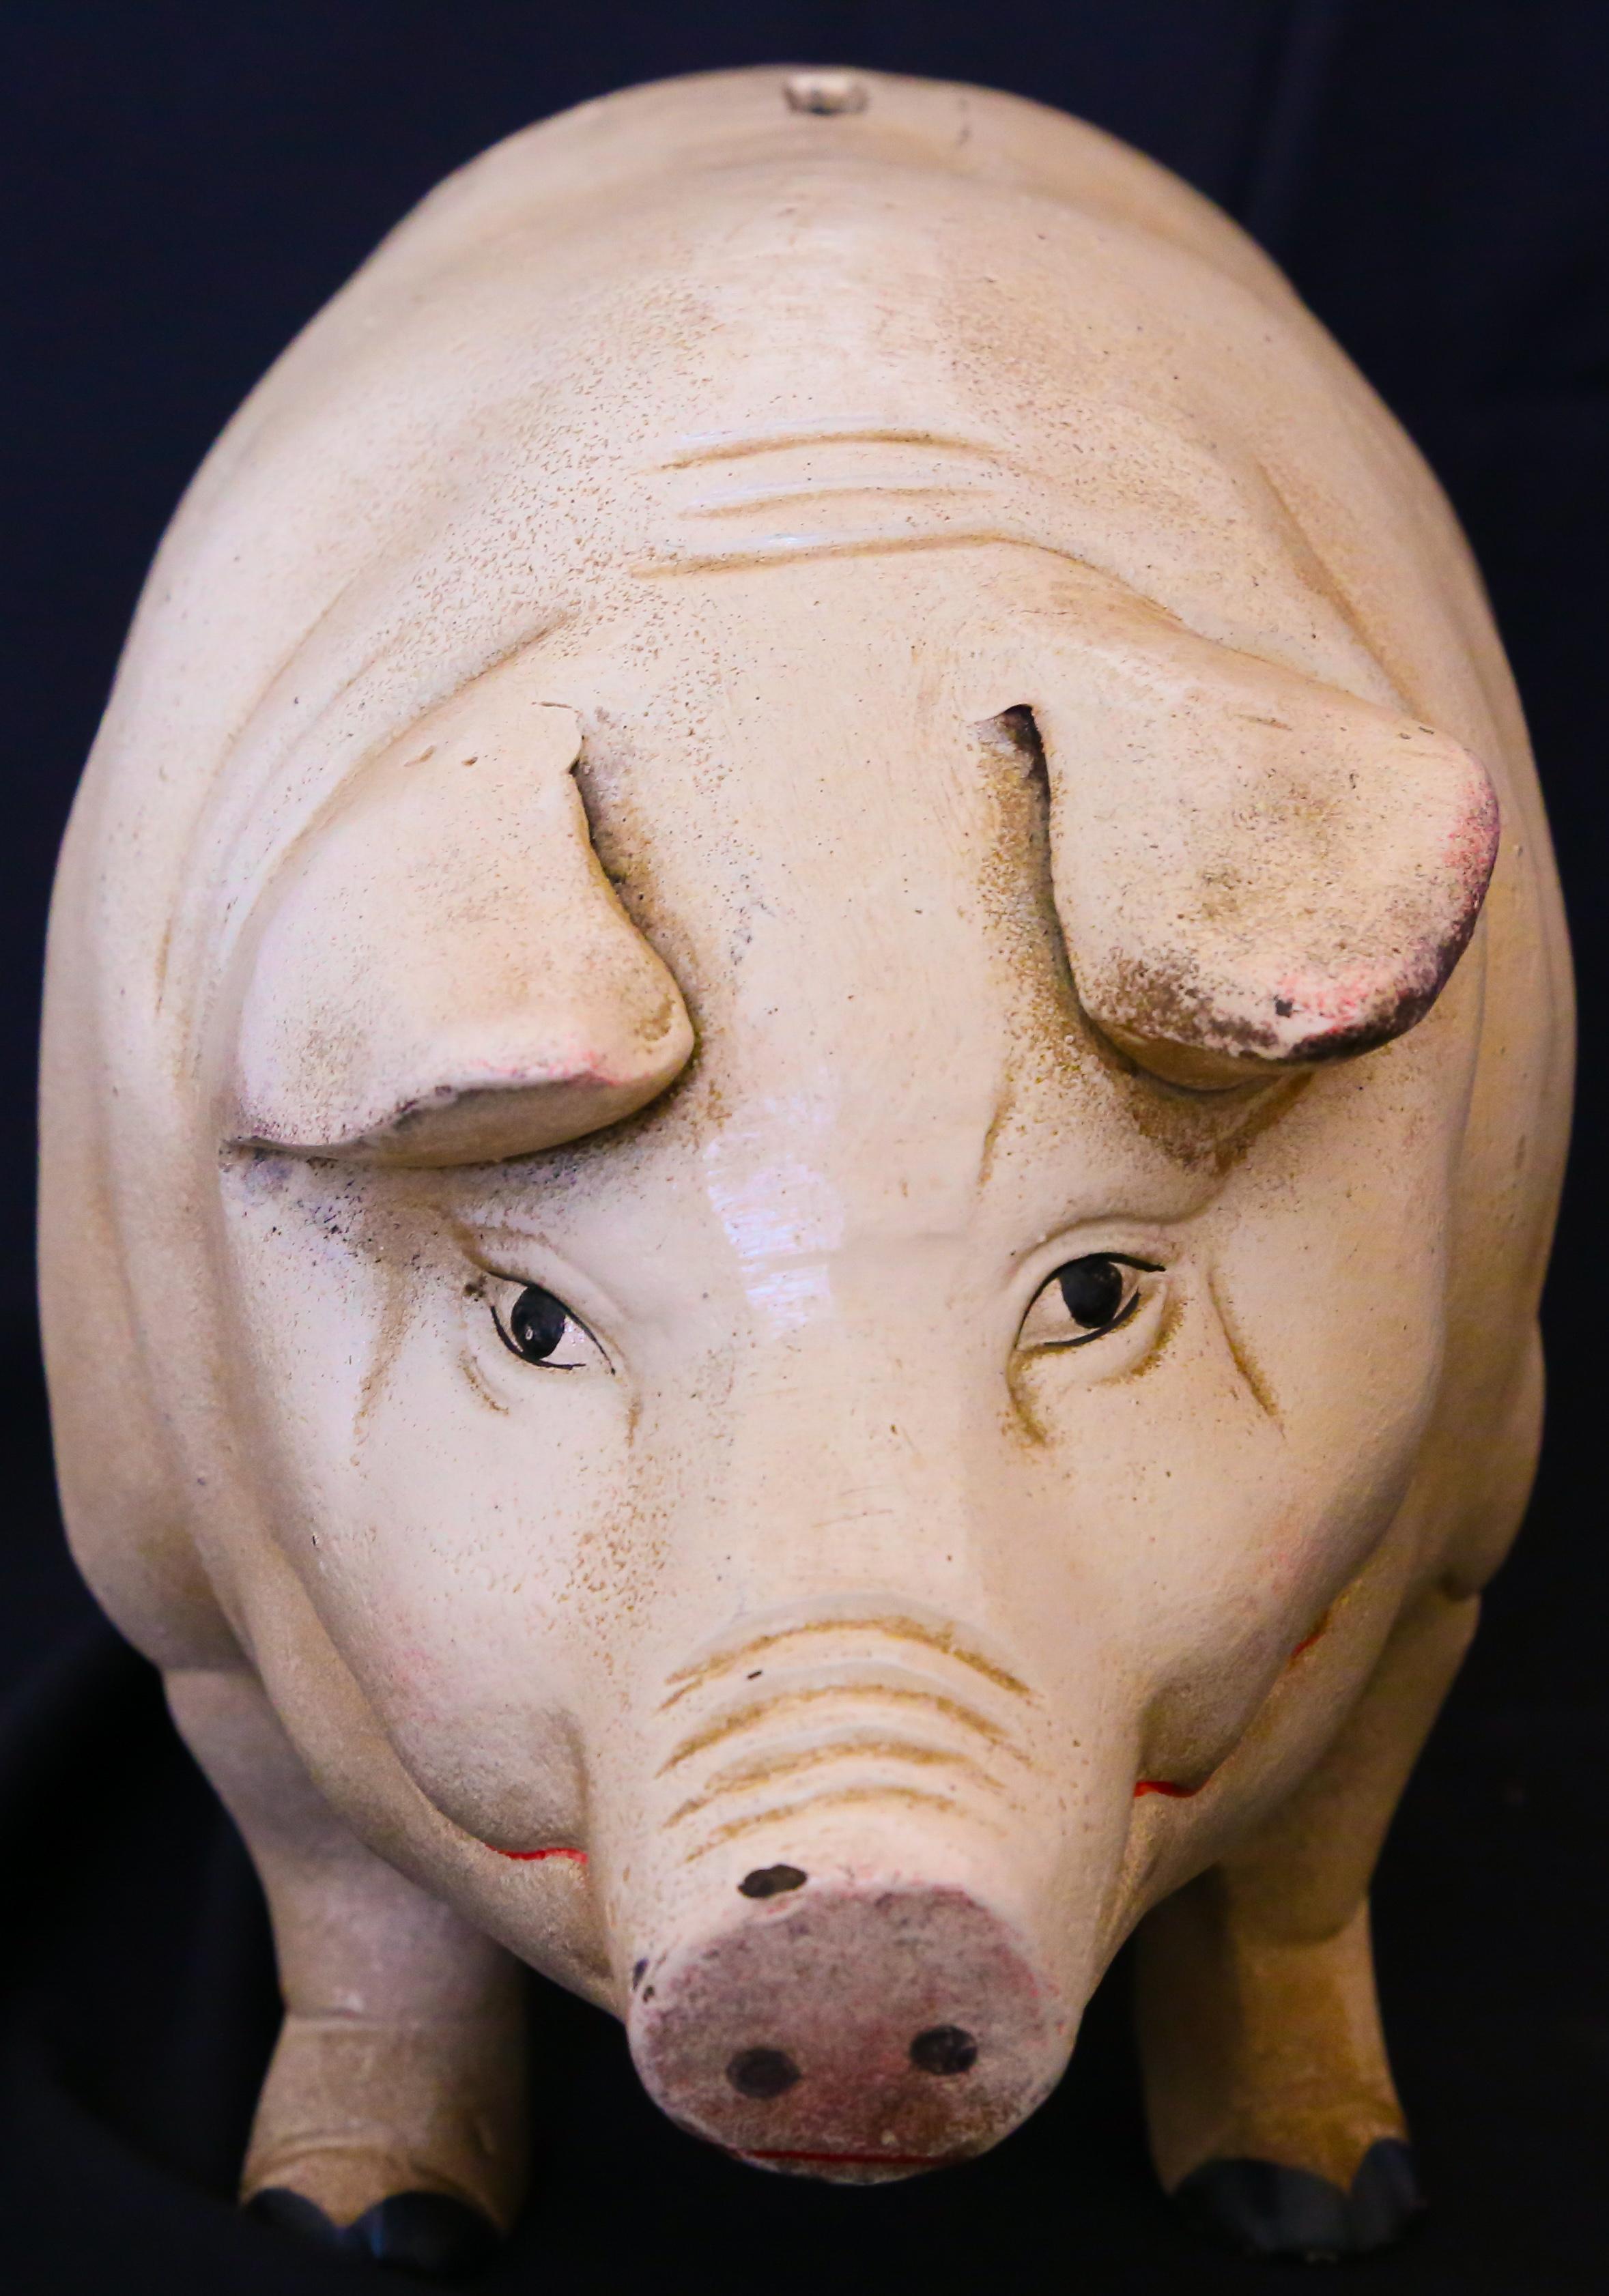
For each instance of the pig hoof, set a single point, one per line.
(1264, 2210)
(428, 2234)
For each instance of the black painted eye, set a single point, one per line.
(1086, 1299)
(535, 1323)
(535, 1326)
(1093, 1290)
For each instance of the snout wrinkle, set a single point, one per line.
(894, 1628)
(823, 1725)
(782, 1763)
(764, 1770)
(845, 1797)
(847, 1682)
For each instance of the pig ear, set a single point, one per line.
(1249, 868)
(444, 974)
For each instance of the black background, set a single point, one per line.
(186, 184)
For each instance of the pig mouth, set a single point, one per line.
(889, 2163)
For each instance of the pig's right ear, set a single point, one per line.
(443, 974)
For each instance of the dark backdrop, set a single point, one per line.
(187, 184)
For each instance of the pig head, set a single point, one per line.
(827, 1500)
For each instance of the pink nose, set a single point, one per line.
(855, 2031)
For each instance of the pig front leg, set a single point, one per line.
(1271, 2106)
(392, 2120)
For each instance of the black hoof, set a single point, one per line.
(426, 2234)
(1263, 2210)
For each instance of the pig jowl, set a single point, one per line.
(836, 1925)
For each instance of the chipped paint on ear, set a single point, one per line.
(1252, 870)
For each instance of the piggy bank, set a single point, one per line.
(806, 1065)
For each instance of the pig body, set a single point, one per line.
(793, 1198)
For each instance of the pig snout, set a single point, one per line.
(836, 1975)
(871, 2028)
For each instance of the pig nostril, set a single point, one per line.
(771, 1880)
(761, 2072)
(944, 2049)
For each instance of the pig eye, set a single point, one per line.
(537, 1326)
(1086, 1299)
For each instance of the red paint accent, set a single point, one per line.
(1164, 1786)
(1306, 1642)
(850, 2160)
(530, 1856)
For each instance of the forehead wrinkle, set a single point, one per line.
(788, 549)
(735, 444)
(829, 502)
(845, 473)
(738, 499)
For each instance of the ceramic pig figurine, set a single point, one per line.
(807, 1059)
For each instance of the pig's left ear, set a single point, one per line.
(443, 974)
(1249, 868)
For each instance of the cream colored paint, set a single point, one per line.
(582, 682)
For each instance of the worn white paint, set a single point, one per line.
(560, 824)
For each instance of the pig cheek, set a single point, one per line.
(438, 1531)
(473, 1527)
(1288, 1548)
(1338, 1323)
(1248, 1475)
(1197, 1533)
(1161, 1474)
